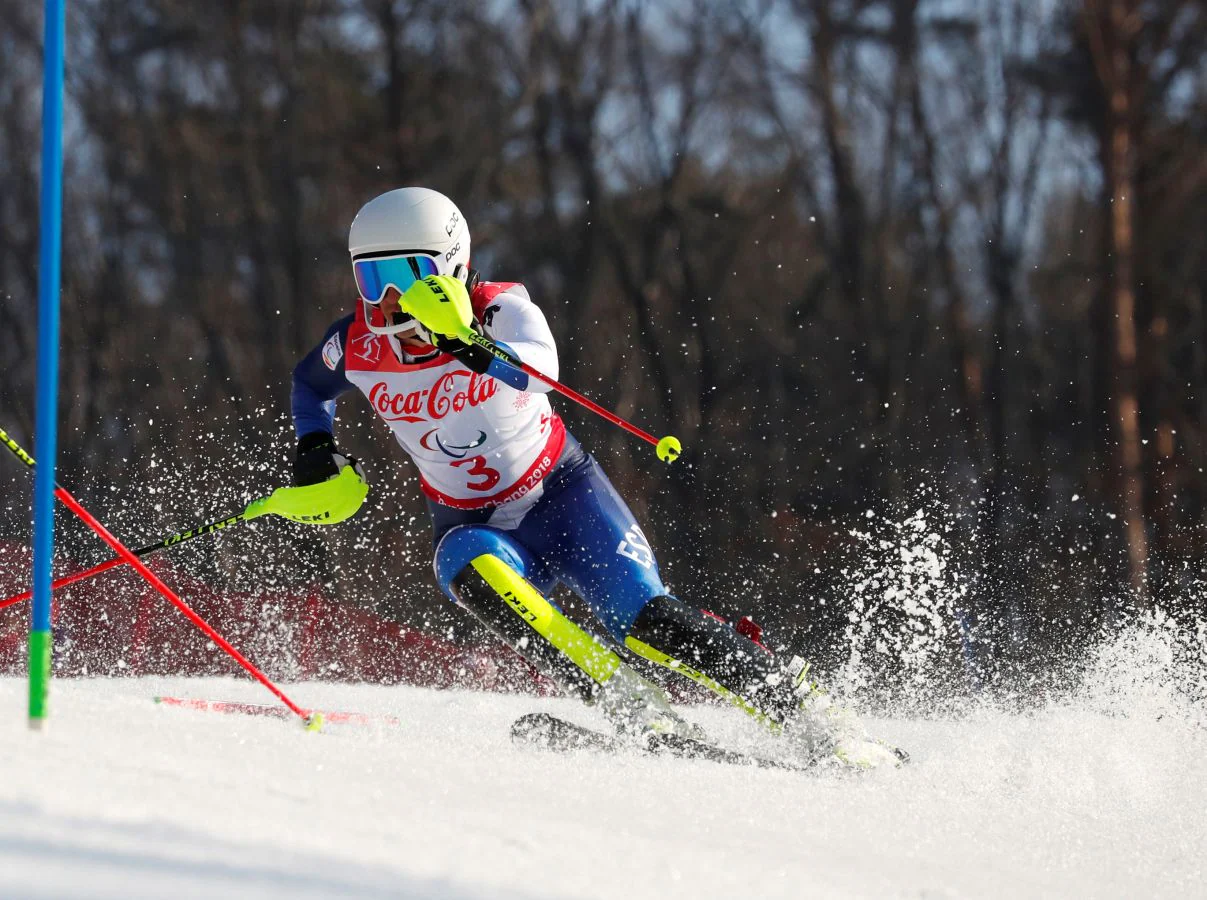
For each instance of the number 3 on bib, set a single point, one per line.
(478, 468)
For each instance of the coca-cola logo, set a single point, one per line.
(452, 392)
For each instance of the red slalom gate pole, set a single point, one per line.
(172, 540)
(332, 717)
(139, 566)
(66, 580)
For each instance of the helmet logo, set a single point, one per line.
(452, 224)
(451, 253)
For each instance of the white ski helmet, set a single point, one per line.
(400, 237)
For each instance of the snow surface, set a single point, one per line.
(124, 798)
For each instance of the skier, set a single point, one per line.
(516, 504)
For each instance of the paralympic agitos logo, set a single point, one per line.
(456, 451)
(452, 392)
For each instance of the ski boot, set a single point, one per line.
(824, 732)
(733, 662)
(639, 709)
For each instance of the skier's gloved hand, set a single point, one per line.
(318, 459)
(475, 358)
(441, 303)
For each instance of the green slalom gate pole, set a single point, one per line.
(45, 430)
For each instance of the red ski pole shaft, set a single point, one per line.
(588, 403)
(139, 566)
(668, 447)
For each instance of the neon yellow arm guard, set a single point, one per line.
(325, 503)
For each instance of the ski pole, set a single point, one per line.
(668, 448)
(313, 722)
(170, 541)
(283, 502)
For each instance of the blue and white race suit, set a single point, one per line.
(494, 459)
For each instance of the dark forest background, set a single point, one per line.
(868, 259)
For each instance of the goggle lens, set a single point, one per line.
(373, 276)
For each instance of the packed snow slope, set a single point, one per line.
(124, 798)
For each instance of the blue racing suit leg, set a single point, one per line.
(581, 533)
(586, 537)
(462, 544)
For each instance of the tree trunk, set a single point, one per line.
(1112, 30)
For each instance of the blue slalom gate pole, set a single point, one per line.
(46, 426)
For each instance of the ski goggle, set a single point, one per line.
(375, 274)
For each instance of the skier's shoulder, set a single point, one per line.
(336, 334)
(322, 371)
(331, 346)
(497, 293)
(335, 340)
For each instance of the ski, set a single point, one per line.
(553, 733)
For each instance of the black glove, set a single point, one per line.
(319, 459)
(475, 358)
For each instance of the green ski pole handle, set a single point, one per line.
(668, 448)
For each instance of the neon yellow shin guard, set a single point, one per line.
(533, 626)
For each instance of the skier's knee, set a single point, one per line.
(462, 545)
